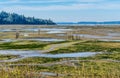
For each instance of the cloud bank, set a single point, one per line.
(58, 4)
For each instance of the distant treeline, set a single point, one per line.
(13, 18)
(106, 22)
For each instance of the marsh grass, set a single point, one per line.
(22, 46)
(98, 68)
(6, 57)
(83, 70)
(39, 60)
(90, 46)
(27, 45)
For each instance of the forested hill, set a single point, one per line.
(13, 18)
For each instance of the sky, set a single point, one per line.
(65, 10)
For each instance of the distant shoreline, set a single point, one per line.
(65, 25)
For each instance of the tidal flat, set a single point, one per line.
(29, 57)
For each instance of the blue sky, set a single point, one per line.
(65, 10)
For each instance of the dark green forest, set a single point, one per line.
(13, 18)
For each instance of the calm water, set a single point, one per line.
(92, 36)
(37, 29)
(109, 37)
(38, 54)
(34, 39)
(26, 54)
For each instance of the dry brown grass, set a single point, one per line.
(110, 45)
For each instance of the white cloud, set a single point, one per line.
(54, 7)
(46, 1)
(75, 6)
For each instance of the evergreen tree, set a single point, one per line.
(13, 18)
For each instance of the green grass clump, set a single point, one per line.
(22, 46)
(27, 45)
(6, 57)
(39, 60)
(93, 46)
